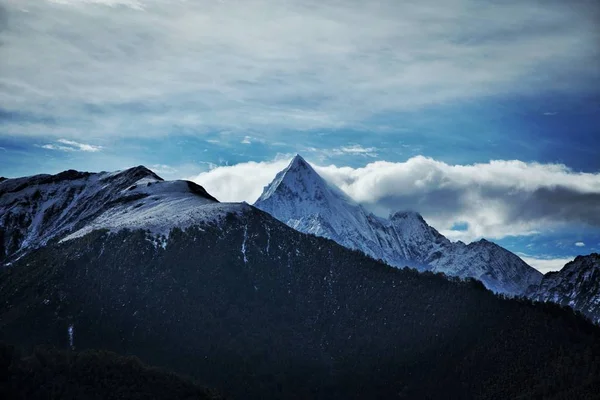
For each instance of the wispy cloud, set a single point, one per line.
(134, 4)
(163, 169)
(122, 67)
(70, 146)
(357, 150)
(580, 244)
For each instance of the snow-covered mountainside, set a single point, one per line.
(302, 199)
(35, 210)
(577, 285)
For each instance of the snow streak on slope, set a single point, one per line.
(299, 197)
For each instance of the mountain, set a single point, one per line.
(303, 200)
(259, 310)
(228, 294)
(577, 285)
(36, 210)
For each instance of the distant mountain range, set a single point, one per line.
(229, 294)
(299, 197)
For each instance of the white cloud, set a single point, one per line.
(271, 65)
(240, 182)
(80, 146)
(356, 150)
(580, 244)
(163, 169)
(493, 200)
(71, 145)
(545, 265)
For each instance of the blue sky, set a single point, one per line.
(190, 87)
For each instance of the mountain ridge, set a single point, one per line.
(37, 209)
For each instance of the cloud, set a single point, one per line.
(3, 18)
(145, 67)
(550, 113)
(545, 265)
(163, 169)
(356, 150)
(240, 182)
(134, 4)
(71, 145)
(580, 244)
(492, 200)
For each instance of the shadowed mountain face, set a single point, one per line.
(259, 310)
(577, 285)
(299, 197)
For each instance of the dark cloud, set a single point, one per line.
(558, 203)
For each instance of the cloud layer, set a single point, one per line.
(271, 65)
(492, 200)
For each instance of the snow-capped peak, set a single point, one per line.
(302, 199)
(300, 180)
(411, 223)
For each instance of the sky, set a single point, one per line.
(482, 115)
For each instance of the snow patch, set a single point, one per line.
(71, 332)
(244, 244)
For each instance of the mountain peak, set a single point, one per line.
(297, 179)
(299, 165)
(413, 215)
(298, 162)
(140, 172)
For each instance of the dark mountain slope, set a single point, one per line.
(260, 310)
(52, 374)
